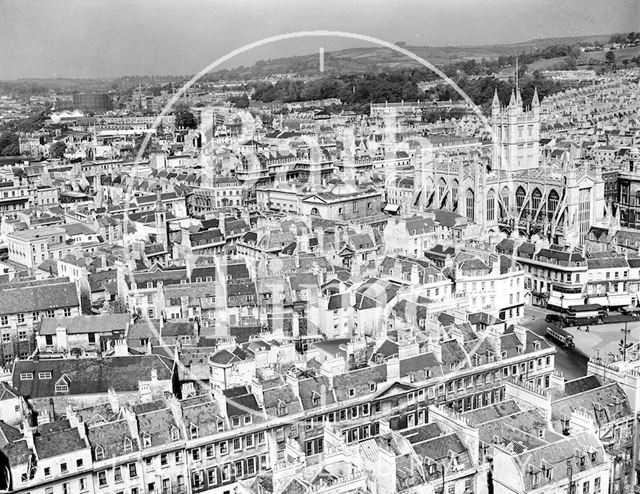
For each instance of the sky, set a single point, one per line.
(113, 38)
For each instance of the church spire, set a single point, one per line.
(517, 78)
(496, 100)
(512, 100)
(535, 101)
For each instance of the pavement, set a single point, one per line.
(604, 339)
(571, 363)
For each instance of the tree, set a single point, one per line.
(9, 144)
(240, 101)
(610, 57)
(570, 63)
(185, 119)
(57, 149)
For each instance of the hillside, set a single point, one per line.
(377, 58)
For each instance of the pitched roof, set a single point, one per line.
(89, 375)
(103, 323)
(38, 298)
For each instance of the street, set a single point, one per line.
(571, 363)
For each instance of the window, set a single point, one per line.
(195, 454)
(164, 459)
(63, 468)
(4, 320)
(79, 463)
(102, 479)
(209, 451)
(146, 440)
(224, 448)
(179, 457)
(261, 438)
(193, 431)
(22, 335)
(47, 471)
(62, 388)
(212, 477)
(175, 435)
(117, 474)
(20, 318)
(27, 376)
(99, 452)
(596, 484)
(237, 444)
(197, 478)
(248, 440)
(585, 487)
(133, 472)
(83, 484)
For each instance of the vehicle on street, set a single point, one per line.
(553, 318)
(560, 336)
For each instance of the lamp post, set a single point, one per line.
(561, 303)
(623, 342)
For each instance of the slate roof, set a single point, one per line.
(315, 387)
(111, 437)
(103, 323)
(157, 424)
(90, 375)
(375, 293)
(38, 298)
(358, 380)
(57, 439)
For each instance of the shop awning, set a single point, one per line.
(620, 299)
(392, 208)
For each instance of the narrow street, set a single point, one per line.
(571, 363)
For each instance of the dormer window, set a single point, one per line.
(315, 399)
(520, 350)
(128, 445)
(503, 354)
(282, 409)
(99, 453)
(193, 431)
(247, 419)
(146, 440)
(536, 345)
(352, 392)
(220, 425)
(175, 434)
(594, 456)
(62, 386)
(372, 387)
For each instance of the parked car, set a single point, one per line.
(553, 318)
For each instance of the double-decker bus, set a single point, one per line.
(577, 315)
